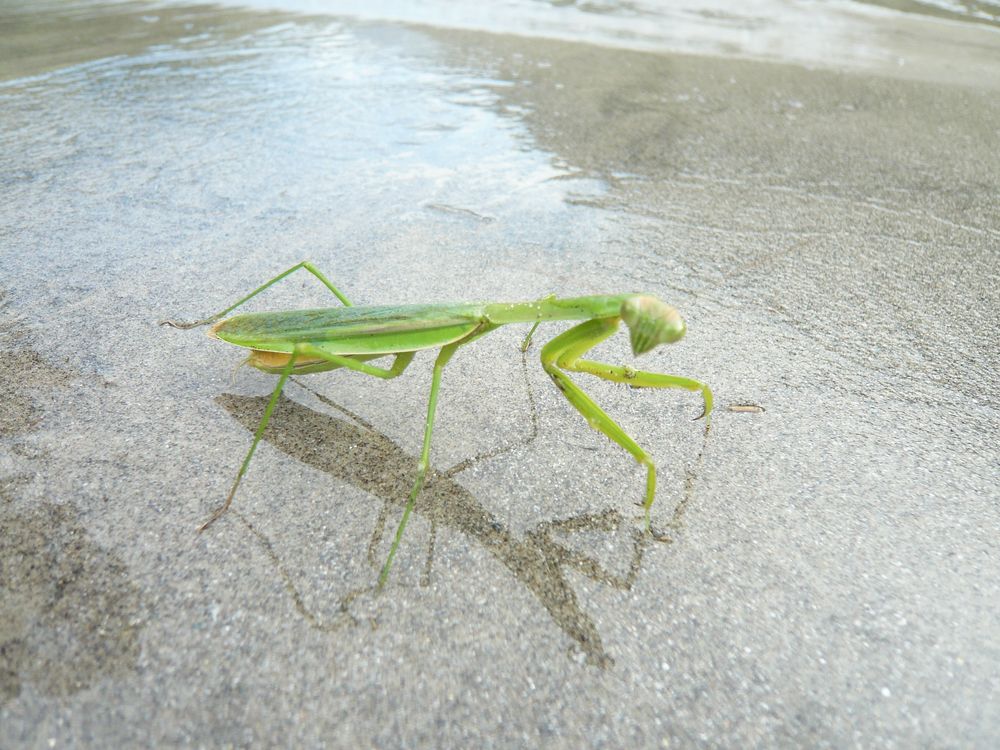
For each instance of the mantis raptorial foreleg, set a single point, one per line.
(563, 353)
(644, 379)
(308, 266)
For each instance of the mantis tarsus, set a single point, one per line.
(307, 341)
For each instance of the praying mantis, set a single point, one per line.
(317, 340)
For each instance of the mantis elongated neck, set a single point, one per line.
(555, 308)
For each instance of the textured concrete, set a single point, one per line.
(832, 572)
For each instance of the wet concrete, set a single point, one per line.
(830, 233)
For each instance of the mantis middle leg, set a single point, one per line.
(444, 355)
(564, 352)
(442, 359)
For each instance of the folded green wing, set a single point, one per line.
(353, 330)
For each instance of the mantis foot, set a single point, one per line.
(214, 517)
(184, 326)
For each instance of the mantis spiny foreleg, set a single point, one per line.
(564, 352)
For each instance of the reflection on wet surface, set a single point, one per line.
(363, 457)
(862, 35)
(308, 124)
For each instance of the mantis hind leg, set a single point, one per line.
(564, 352)
(253, 446)
(400, 363)
(307, 265)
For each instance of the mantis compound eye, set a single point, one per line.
(651, 322)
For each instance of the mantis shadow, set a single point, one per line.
(361, 456)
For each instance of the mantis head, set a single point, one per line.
(651, 322)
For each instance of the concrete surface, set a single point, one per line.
(831, 236)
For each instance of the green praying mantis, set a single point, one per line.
(307, 341)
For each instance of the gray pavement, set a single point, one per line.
(832, 236)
